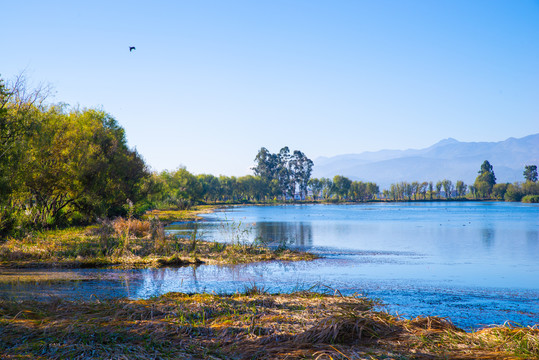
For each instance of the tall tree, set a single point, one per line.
(301, 168)
(530, 173)
(461, 188)
(486, 180)
(448, 188)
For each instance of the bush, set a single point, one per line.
(533, 199)
(513, 193)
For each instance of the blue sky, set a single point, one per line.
(210, 82)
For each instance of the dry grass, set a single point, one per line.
(168, 216)
(259, 326)
(129, 243)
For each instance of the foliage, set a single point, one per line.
(485, 181)
(499, 190)
(513, 192)
(530, 173)
(533, 199)
(61, 166)
(291, 172)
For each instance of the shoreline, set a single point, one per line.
(134, 244)
(251, 325)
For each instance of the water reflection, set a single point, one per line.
(487, 235)
(285, 233)
(532, 241)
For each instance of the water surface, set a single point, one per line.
(476, 263)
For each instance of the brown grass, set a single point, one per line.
(130, 243)
(259, 326)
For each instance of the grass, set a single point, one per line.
(132, 243)
(168, 216)
(253, 325)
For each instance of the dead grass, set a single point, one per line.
(302, 325)
(168, 216)
(129, 243)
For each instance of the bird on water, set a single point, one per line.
(131, 48)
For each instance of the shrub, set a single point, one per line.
(533, 199)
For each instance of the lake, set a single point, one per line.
(474, 262)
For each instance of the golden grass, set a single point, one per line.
(168, 216)
(130, 243)
(301, 325)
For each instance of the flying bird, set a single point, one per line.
(131, 48)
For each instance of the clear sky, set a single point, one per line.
(211, 82)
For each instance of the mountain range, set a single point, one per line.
(447, 159)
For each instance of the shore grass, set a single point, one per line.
(253, 325)
(172, 215)
(132, 243)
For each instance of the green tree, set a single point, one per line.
(439, 186)
(266, 164)
(316, 187)
(301, 168)
(486, 180)
(460, 187)
(513, 192)
(77, 162)
(499, 190)
(448, 188)
(530, 173)
(341, 186)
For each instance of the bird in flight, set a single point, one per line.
(131, 48)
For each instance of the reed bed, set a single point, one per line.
(251, 325)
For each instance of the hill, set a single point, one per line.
(447, 159)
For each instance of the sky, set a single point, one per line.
(211, 82)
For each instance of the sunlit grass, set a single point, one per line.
(253, 325)
(130, 243)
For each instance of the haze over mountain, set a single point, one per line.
(447, 159)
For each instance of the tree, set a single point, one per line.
(77, 162)
(266, 164)
(499, 190)
(290, 171)
(316, 187)
(448, 188)
(341, 186)
(486, 180)
(530, 173)
(372, 190)
(439, 186)
(461, 188)
(513, 192)
(327, 188)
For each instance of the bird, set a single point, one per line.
(131, 48)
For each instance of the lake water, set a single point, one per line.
(474, 262)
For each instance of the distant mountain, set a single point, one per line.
(447, 159)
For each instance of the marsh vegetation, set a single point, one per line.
(251, 325)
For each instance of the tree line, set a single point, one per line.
(62, 166)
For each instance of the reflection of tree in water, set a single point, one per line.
(532, 239)
(487, 235)
(288, 233)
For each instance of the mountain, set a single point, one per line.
(447, 159)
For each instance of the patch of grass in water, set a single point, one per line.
(129, 243)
